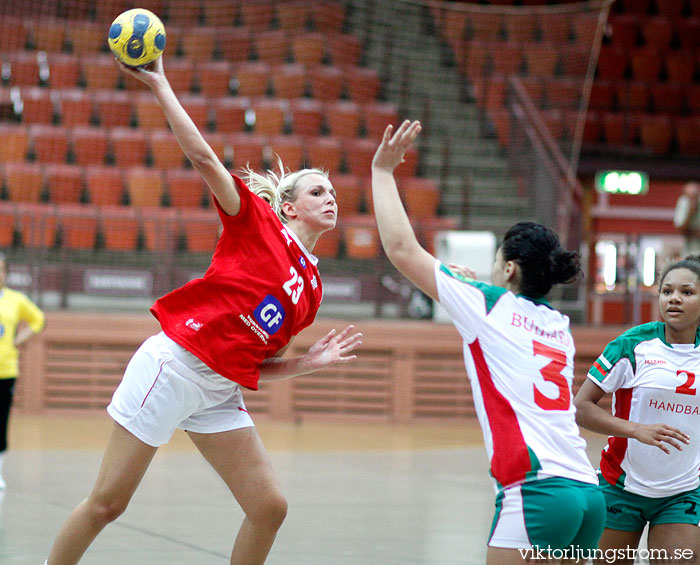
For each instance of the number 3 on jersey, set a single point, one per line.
(551, 372)
(294, 286)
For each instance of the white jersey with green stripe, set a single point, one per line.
(519, 356)
(653, 383)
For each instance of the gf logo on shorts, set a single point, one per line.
(270, 314)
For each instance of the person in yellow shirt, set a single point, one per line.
(20, 319)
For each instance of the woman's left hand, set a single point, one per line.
(332, 348)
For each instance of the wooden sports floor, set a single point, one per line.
(359, 494)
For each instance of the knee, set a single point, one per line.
(104, 511)
(270, 512)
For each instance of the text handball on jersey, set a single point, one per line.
(137, 37)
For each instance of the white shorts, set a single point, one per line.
(165, 387)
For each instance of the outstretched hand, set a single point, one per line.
(332, 349)
(466, 272)
(660, 434)
(148, 74)
(392, 149)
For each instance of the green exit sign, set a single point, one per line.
(622, 182)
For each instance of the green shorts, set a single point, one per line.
(554, 513)
(631, 512)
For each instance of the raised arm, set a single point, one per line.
(395, 231)
(592, 417)
(195, 147)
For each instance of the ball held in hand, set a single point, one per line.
(137, 37)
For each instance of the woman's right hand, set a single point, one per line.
(149, 74)
(660, 434)
(393, 147)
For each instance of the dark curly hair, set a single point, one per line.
(543, 261)
(690, 262)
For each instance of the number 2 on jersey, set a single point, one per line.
(686, 387)
(294, 286)
(551, 372)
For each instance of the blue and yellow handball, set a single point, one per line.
(137, 37)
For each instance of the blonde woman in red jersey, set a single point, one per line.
(228, 329)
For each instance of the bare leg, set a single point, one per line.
(239, 457)
(679, 542)
(124, 463)
(612, 540)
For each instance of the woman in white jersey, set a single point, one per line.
(519, 357)
(649, 468)
(223, 331)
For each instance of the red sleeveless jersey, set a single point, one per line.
(261, 289)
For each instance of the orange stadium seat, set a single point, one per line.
(326, 82)
(603, 96)
(120, 227)
(361, 236)
(421, 197)
(624, 30)
(104, 185)
(14, 33)
(680, 66)
(256, 14)
(668, 98)
(612, 63)
(574, 60)
(542, 59)
(646, 63)
(199, 43)
(688, 32)
(128, 146)
(328, 16)
(658, 32)
(201, 230)
(633, 96)
(289, 80)
(293, 15)
(247, 149)
(362, 84)
(359, 154)
(165, 150)
(290, 148)
(181, 75)
(144, 186)
(343, 118)
(37, 106)
(24, 181)
(555, 28)
(309, 48)
(348, 193)
(89, 145)
(161, 228)
(409, 167)
(106, 10)
(534, 87)
(64, 183)
(77, 226)
(252, 78)
(49, 143)
(8, 224)
(235, 44)
(100, 72)
(593, 128)
(75, 106)
(270, 114)
(272, 46)
(584, 28)
(229, 113)
(149, 115)
(24, 68)
(64, 70)
(307, 116)
(37, 223)
(687, 133)
(507, 58)
(87, 38)
(670, 8)
(693, 98)
(113, 109)
(486, 26)
(635, 6)
(214, 78)
(453, 24)
(345, 49)
(15, 142)
(186, 188)
(564, 93)
(656, 133)
(183, 12)
(220, 13)
(325, 153)
(521, 27)
(197, 107)
(376, 116)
